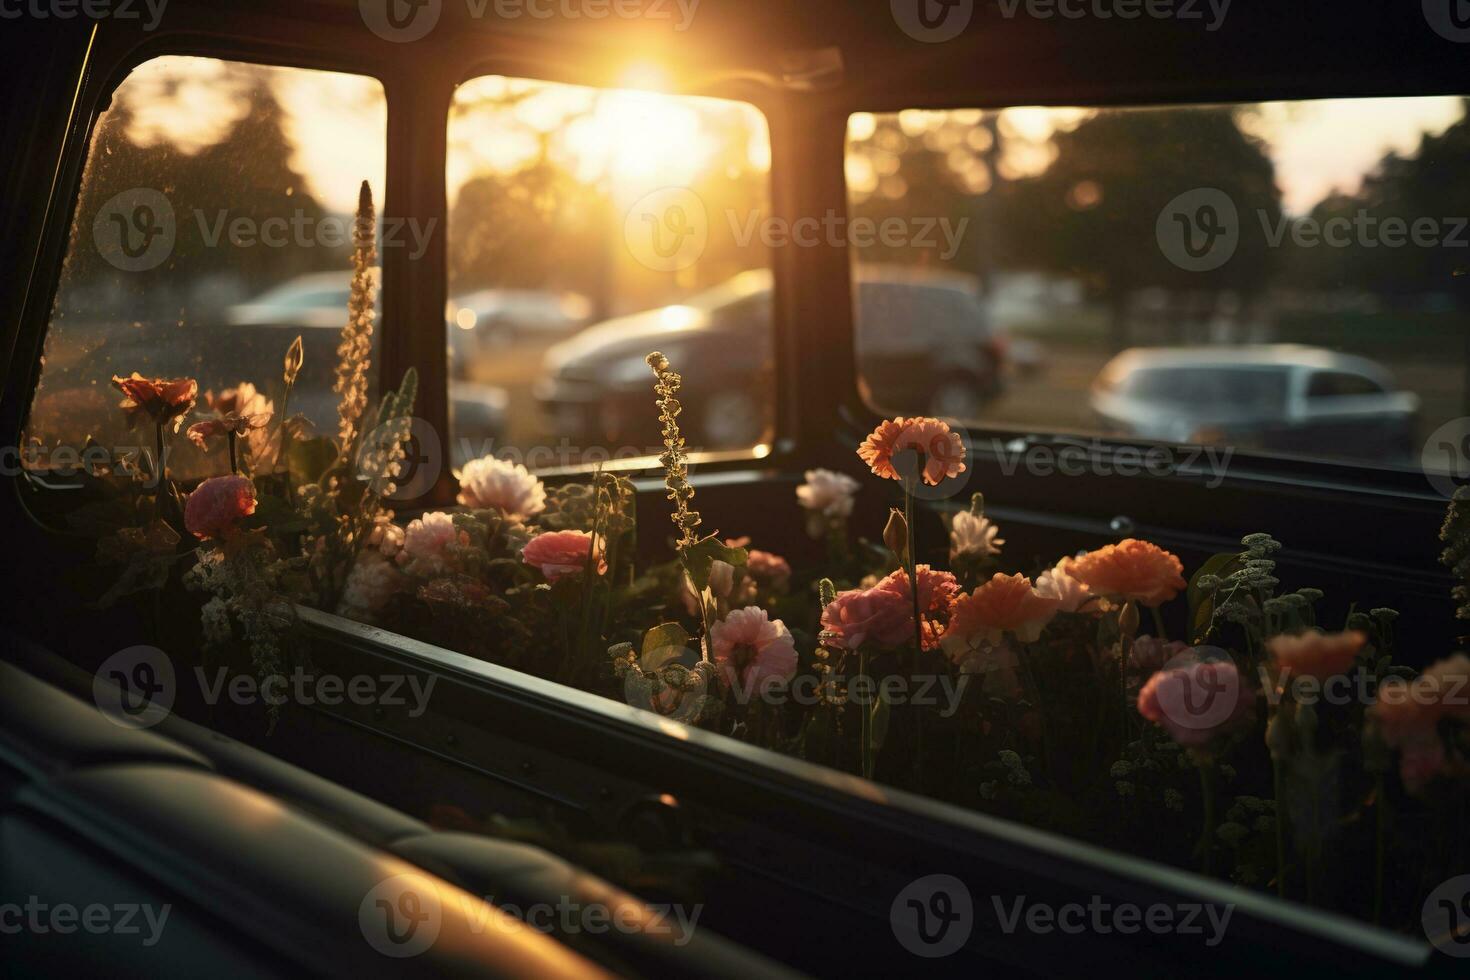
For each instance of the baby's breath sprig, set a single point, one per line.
(674, 458)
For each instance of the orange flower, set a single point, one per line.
(1005, 604)
(1319, 655)
(942, 452)
(156, 399)
(1130, 569)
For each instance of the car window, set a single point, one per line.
(1335, 384)
(1170, 250)
(216, 196)
(599, 225)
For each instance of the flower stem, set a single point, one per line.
(1163, 634)
(234, 454)
(1207, 793)
(1280, 827)
(1380, 826)
(866, 721)
(913, 573)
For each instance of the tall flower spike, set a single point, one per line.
(354, 352)
(674, 458)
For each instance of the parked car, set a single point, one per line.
(315, 306)
(924, 346)
(488, 318)
(1281, 397)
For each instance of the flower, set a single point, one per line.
(239, 411)
(558, 553)
(937, 591)
(217, 504)
(371, 583)
(859, 616)
(1408, 713)
(426, 541)
(997, 666)
(1059, 583)
(1148, 655)
(970, 534)
(1005, 604)
(1197, 701)
(748, 647)
(1130, 569)
(510, 487)
(1318, 655)
(770, 571)
(942, 452)
(157, 400)
(385, 536)
(827, 493)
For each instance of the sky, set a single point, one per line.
(634, 140)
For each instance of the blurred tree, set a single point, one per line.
(1093, 212)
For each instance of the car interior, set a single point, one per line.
(286, 688)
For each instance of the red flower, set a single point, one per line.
(217, 504)
(156, 399)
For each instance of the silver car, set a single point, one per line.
(1273, 397)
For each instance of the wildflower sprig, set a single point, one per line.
(675, 457)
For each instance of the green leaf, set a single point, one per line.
(1201, 606)
(662, 644)
(699, 557)
(308, 459)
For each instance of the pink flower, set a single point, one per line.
(770, 571)
(426, 541)
(217, 504)
(937, 592)
(1318, 655)
(1005, 604)
(510, 487)
(941, 453)
(875, 615)
(749, 648)
(558, 553)
(156, 399)
(1196, 702)
(1408, 714)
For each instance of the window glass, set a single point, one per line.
(213, 226)
(588, 227)
(1175, 274)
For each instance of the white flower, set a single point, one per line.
(971, 535)
(424, 543)
(370, 585)
(490, 482)
(1057, 584)
(386, 536)
(214, 617)
(827, 492)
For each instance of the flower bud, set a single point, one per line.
(896, 535)
(721, 578)
(1128, 620)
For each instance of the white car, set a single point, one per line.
(1273, 397)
